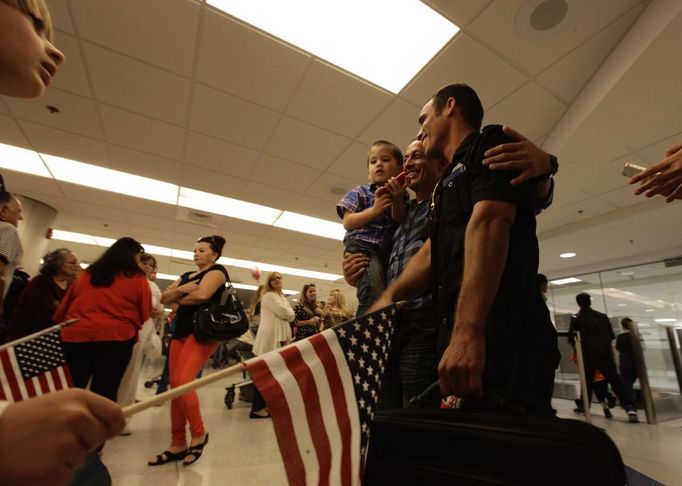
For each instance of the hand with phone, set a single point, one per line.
(664, 178)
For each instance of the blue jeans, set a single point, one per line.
(413, 360)
(372, 282)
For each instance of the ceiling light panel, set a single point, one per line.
(226, 206)
(96, 177)
(310, 225)
(386, 42)
(22, 160)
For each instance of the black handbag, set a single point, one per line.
(220, 322)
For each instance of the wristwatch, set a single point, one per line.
(554, 164)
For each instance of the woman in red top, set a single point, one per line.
(188, 356)
(111, 300)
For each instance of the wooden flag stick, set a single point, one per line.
(182, 389)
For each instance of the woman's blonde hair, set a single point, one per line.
(268, 287)
(339, 299)
(37, 10)
(256, 299)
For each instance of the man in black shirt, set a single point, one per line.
(481, 262)
(596, 336)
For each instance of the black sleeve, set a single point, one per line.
(573, 327)
(495, 185)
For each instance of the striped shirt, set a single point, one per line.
(409, 237)
(10, 251)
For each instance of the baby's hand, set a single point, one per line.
(396, 188)
(382, 203)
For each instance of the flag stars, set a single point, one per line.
(365, 386)
(351, 355)
(368, 334)
(354, 340)
(356, 326)
(365, 348)
(361, 362)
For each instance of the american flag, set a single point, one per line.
(33, 368)
(322, 392)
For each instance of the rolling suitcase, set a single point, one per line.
(465, 448)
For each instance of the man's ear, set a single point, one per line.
(450, 106)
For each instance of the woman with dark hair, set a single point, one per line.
(111, 300)
(308, 313)
(39, 300)
(187, 356)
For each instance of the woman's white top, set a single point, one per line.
(275, 315)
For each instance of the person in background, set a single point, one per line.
(39, 300)
(128, 387)
(60, 428)
(111, 301)
(626, 359)
(253, 312)
(188, 356)
(273, 332)
(336, 311)
(308, 313)
(11, 250)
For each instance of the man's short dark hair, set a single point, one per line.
(467, 100)
(395, 151)
(625, 323)
(583, 299)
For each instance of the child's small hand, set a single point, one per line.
(382, 203)
(395, 188)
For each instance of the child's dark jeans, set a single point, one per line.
(372, 282)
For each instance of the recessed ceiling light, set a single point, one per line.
(648, 310)
(621, 305)
(383, 41)
(564, 281)
(627, 274)
(666, 319)
(569, 254)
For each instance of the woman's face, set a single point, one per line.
(311, 294)
(276, 282)
(331, 300)
(71, 266)
(204, 254)
(28, 61)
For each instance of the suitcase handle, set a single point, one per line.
(490, 401)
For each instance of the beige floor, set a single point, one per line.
(244, 452)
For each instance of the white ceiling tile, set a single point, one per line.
(261, 69)
(531, 111)
(142, 133)
(20, 183)
(397, 124)
(336, 101)
(64, 144)
(600, 178)
(567, 77)
(161, 32)
(298, 141)
(10, 133)
(224, 116)
(76, 114)
(307, 251)
(278, 172)
(352, 163)
(71, 75)
(164, 212)
(622, 197)
(60, 15)
(209, 181)
(270, 196)
(310, 206)
(142, 164)
(219, 155)
(506, 27)
(584, 210)
(156, 222)
(274, 237)
(137, 86)
(460, 12)
(151, 236)
(101, 216)
(654, 153)
(84, 194)
(466, 61)
(322, 189)
(234, 237)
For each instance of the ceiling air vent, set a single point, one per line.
(673, 262)
(199, 217)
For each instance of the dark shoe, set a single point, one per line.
(611, 401)
(254, 415)
(632, 417)
(195, 451)
(167, 456)
(607, 413)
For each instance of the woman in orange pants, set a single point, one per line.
(188, 356)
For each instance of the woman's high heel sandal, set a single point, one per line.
(167, 456)
(195, 451)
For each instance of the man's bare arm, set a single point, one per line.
(485, 254)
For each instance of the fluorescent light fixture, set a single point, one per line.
(665, 320)
(648, 310)
(234, 208)
(165, 276)
(22, 160)
(569, 254)
(310, 225)
(386, 42)
(621, 305)
(96, 177)
(188, 255)
(564, 281)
